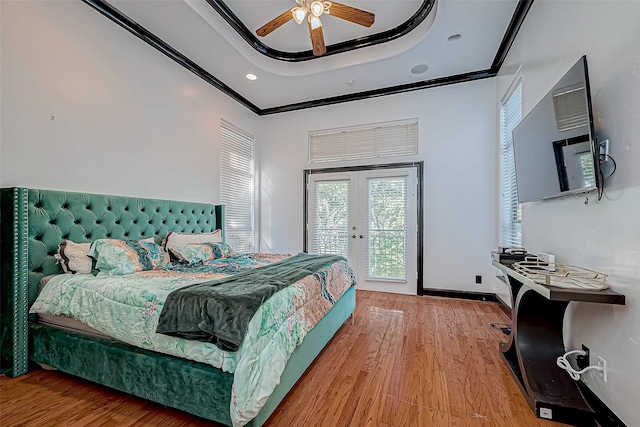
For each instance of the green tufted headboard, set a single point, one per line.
(34, 222)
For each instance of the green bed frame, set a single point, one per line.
(33, 222)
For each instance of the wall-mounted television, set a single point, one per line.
(554, 145)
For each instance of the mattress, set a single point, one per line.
(71, 325)
(127, 308)
(66, 323)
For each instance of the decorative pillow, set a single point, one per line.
(73, 258)
(117, 257)
(180, 239)
(195, 253)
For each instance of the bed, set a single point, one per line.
(35, 221)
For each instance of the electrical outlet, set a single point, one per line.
(547, 259)
(602, 364)
(478, 280)
(546, 413)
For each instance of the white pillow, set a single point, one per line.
(73, 257)
(174, 239)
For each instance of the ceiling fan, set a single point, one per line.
(312, 9)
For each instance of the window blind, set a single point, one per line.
(387, 227)
(397, 138)
(331, 218)
(237, 186)
(510, 209)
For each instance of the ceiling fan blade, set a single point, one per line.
(275, 23)
(317, 40)
(352, 14)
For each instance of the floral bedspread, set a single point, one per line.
(128, 308)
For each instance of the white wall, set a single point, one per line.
(86, 106)
(605, 235)
(457, 128)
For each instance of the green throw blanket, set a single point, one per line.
(219, 311)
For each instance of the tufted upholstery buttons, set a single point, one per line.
(55, 216)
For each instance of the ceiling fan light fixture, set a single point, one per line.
(314, 22)
(316, 8)
(311, 10)
(298, 14)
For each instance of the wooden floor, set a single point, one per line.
(405, 361)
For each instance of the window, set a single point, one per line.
(331, 218)
(510, 209)
(387, 224)
(397, 138)
(237, 186)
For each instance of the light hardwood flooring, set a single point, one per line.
(404, 361)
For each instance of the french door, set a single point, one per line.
(370, 217)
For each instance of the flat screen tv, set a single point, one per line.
(554, 145)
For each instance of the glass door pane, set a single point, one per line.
(331, 218)
(387, 226)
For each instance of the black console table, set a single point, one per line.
(536, 341)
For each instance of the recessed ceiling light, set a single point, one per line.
(350, 82)
(454, 37)
(251, 76)
(419, 69)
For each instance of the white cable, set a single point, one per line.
(563, 362)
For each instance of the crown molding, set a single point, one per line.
(145, 35)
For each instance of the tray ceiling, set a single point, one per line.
(195, 34)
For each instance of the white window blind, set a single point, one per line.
(510, 210)
(398, 138)
(387, 227)
(237, 186)
(331, 218)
